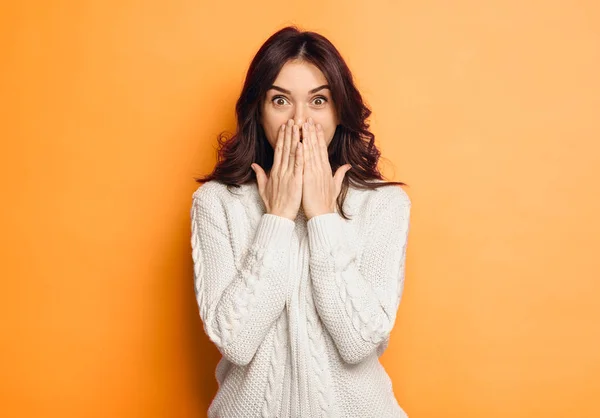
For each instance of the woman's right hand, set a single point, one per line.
(281, 190)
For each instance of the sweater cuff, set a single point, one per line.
(325, 231)
(274, 230)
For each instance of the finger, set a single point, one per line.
(294, 148)
(261, 177)
(285, 157)
(287, 148)
(314, 150)
(322, 146)
(278, 150)
(338, 178)
(299, 160)
(306, 149)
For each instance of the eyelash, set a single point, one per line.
(283, 97)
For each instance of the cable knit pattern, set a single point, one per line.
(247, 294)
(319, 356)
(227, 297)
(371, 328)
(274, 378)
(359, 319)
(300, 310)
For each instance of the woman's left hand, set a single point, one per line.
(319, 189)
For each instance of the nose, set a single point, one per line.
(300, 116)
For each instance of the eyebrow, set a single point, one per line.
(281, 89)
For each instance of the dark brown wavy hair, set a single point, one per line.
(352, 141)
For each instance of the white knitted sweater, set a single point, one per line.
(300, 311)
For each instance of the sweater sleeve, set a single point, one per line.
(238, 303)
(358, 302)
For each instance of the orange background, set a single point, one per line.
(488, 110)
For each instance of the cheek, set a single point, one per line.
(270, 124)
(329, 132)
(271, 129)
(272, 137)
(329, 126)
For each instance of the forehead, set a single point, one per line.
(300, 77)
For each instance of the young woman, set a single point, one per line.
(298, 247)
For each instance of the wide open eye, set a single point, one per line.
(322, 100)
(279, 100)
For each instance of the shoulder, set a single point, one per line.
(214, 192)
(392, 204)
(228, 203)
(393, 195)
(389, 210)
(210, 190)
(390, 196)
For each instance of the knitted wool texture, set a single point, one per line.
(300, 310)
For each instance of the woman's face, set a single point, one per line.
(300, 91)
